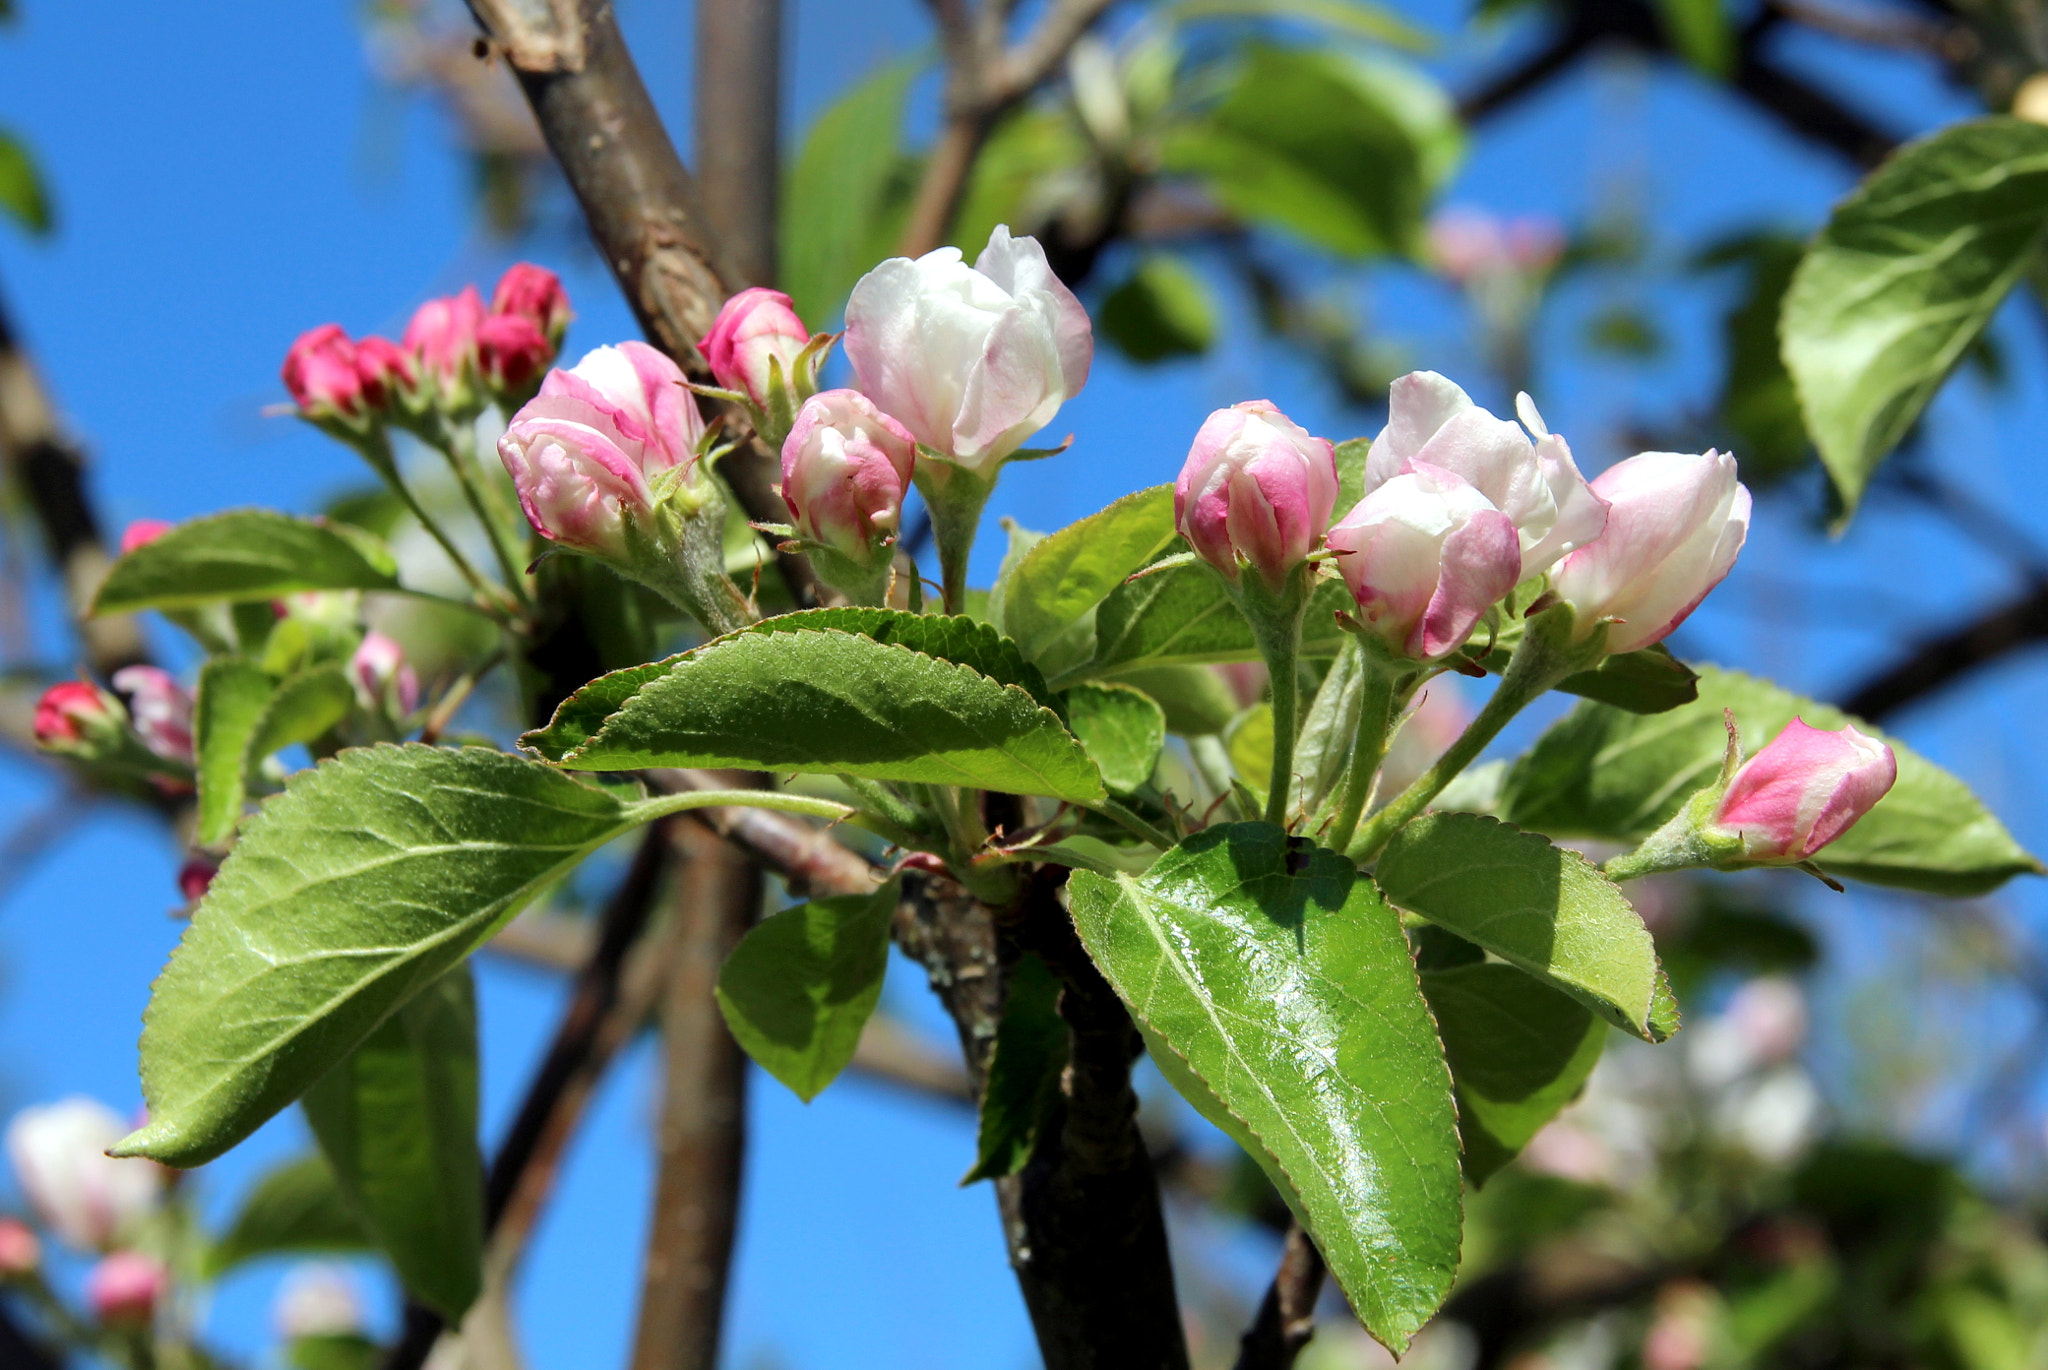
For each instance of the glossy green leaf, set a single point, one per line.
(1519, 1051)
(1603, 773)
(365, 881)
(397, 1121)
(1195, 699)
(1162, 310)
(1274, 972)
(832, 701)
(1536, 906)
(1184, 617)
(244, 554)
(1123, 731)
(305, 706)
(1023, 1072)
(1650, 681)
(1903, 279)
(231, 698)
(800, 986)
(1063, 576)
(21, 186)
(841, 184)
(295, 1209)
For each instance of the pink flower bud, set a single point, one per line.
(126, 1288)
(441, 341)
(77, 717)
(511, 352)
(1803, 790)
(1674, 525)
(88, 1198)
(971, 360)
(1425, 555)
(320, 373)
(382, 676)
(1256, 488)
(21, 1251)
(161, 708)
(142, 532)
(385, 371)
(845, 468)
(195, 877)
(536, 293)
(755, 327)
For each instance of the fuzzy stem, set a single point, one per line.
(460, 449)
(375, 448)
(1275, 616)
(1378, 689)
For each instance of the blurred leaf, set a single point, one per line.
(1717, 934)
(295, 1209)
(1340, 16)
(1161, 311)
(800, 986)
(842, 186)
(336, 1351)
(21, 185)
(1624, 332)
(230, 699)
(1903, 279)
(1758, 403)
(1020, 177)
(1195, 699)
(397, 1121)
(1123, 730)
(1249, 744)
(242, 555)
(1700, 32)
(1023, 1072)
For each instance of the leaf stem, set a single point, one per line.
(375, 448)
(1380, 686)
(1135, 824)
(1275, 616)
(459, 447)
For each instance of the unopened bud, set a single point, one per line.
(21, 1251)
(757, 336)
(384, 680)
(845, 468)
(1804, 790)
(512, 354)
(142, 532)
(320, 373)
(1425, 555)
(1257, 490)
(88, 1198)
(441, 343)
(126, 1287)
(536, 293)
(78, 718)
(195, 877)
(386, 373)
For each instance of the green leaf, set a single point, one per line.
(1902, 281)
(1162, 310)
(1351, 455)
(840, 188)
(397, 1121)
(1602, 773)
(334, 1351)
(230, 699)
(1759, 406)
(1538, 907)
(1518, 1050)
(1284, 984)
(1195, 699)
(1342, 16)
(1183, 617)
(799, 988)
(366, 880)
(1699, 31)
(294, 1209)
(1066, 574)
(831, 701)
(1344, 151)
(1017, 177)
(21, 186)
(305, 706)
(1023, 1072)
(1650, 681)
(244, 554)
(1123, 730)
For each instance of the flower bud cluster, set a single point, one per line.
(150, 735)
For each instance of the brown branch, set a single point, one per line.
(738, 122)
(1934, 663)
(1287, 1315)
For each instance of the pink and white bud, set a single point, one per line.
(88, 1198)
(1675, 523)
(78, 718)
(440, 339)
(971, 360)
(1257, 488)
(317, 1301)
(21, 1250)
(1804, 790)
(1425, 555)
(512, 352)
(382, 676)
(385, 371)
(142, 532)
(845, 469)
(536, 293)
(1432, 422)
(320, 373)
(161, 708)
(756, 327)
(126, 1287)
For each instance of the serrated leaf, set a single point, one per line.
(1023, 1072)
(1066, 574)
(1183, 617)
(1518, 1051)
(1540, 908)
(21, 186)
(1602, 773)
(245, 554)
(367, 879)
(295, 1209)
(230, 698)
(839, 191)
(799, 987)
(1123, 731)
(1902, 281)
(397, 1121)
(1277, 975)
(305, 705)
(830, 701)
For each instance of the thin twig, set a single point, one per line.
(1287, 1315)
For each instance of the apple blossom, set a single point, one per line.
(845, 468)
(972, 360)
(382, 676)
(317, 1301)
(320, 372)
(21, 1251)
(1804, 790)
(88, 1198)
(755, 335)
(161, 708)
(1256, 489)
(536, 293)
(1425, 554)
(1674, 525)
(126, 1288)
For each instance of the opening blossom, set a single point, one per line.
(1425, 554)
(1256, 487)
(88, 1198)
(382, 676)
(757, 332)
(161, 708)
(845, 468)
(1804, 790)
(972, 360)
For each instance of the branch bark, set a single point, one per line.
(1934, 663)
(738, 96)
(1286, 1319)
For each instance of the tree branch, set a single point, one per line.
(1936, 662)
(738, 102)
(1287, 1315)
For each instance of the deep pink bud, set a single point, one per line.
(195, 877)
(383, 678)
(142, 532)
(441, 341)
(161, 708)
(126, 1288)
(1257, 488)
(536, 293)
(1425, 554)
(385, 371)
(845, 468)
(78, 717)
(1674, 525)
(511, 351)
(1805, 789)
(21, 1251)
(755, 326)
(320, 373)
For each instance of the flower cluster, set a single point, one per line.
(90, 1202)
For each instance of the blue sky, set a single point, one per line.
(227, 175)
